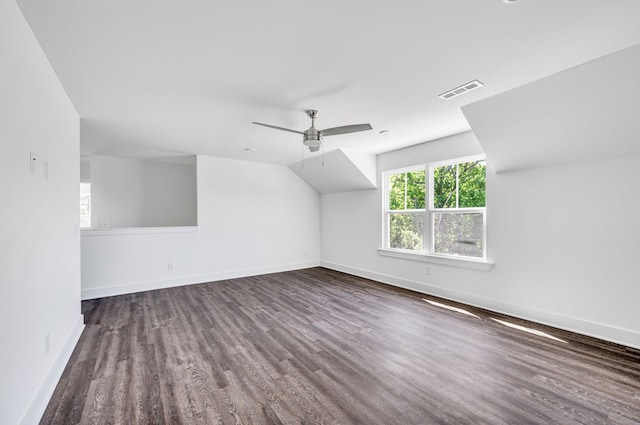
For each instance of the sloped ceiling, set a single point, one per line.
(585, 113)
(190, 76)
(338, 171)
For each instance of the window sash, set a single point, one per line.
(467, 245)
(391, 239)
(407, 235)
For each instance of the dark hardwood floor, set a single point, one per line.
(320, 347)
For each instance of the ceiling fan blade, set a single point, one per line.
(278, 128)
(345, 129)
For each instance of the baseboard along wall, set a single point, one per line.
(601, 331)
(41, 399)
(129, 288)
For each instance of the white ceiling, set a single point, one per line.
(338, 171)
(190, 76)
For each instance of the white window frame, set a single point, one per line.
(428, 252)
(387, 212)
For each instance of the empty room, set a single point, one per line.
(293, 212)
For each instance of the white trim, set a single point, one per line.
(470, 158)
(627, 337)
(391, 171)
(150, 285)
(458, 210)
(138, 230)
(422, 211)
(463, 262)
(41, 400)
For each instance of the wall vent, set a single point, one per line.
(467, 87)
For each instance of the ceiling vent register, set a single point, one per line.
(465, 88)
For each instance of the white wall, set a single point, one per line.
(253, 218)
(170, 195)
(563, 239)
(130, 192)
(39, 241)
(585, 113)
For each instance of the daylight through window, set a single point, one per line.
(85, 205)
(437, 208)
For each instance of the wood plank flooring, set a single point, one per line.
(316, 346)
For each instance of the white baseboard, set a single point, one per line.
(627, 337)
(129, 288)
(41, 400)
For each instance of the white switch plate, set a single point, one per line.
(32, 162)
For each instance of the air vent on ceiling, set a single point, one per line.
(467, 87)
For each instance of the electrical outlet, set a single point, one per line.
(47, 341)
(170, 266)
(427, 271)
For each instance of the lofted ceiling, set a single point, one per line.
(190, 76)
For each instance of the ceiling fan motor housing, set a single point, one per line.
(312, 138)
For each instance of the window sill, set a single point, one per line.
(138, 230)
(465, 263)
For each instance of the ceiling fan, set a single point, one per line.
(313, 137)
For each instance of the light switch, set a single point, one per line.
(32, 162)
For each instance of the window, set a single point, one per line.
(85, 205)
(437, 208)
(406, 206)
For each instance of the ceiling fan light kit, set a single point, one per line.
(312, 137)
